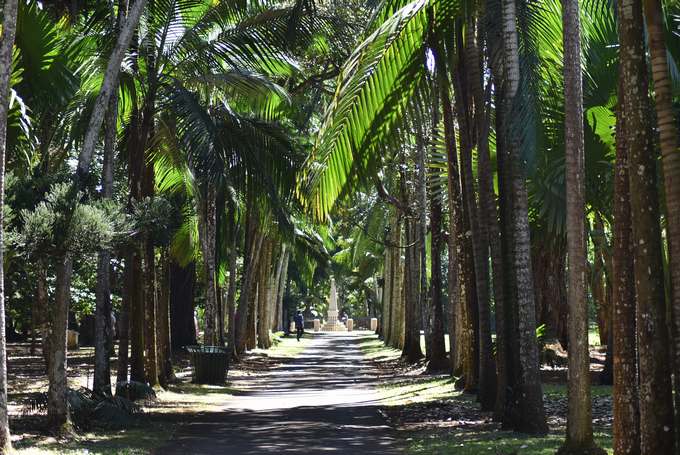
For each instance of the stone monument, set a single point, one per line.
(332, 324)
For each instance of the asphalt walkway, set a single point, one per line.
(322, 401)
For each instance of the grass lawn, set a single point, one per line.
(471, 442)
(465, 431)
(134, 441)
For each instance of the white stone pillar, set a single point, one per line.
(317, 325)
(374, 324)
(350, 325)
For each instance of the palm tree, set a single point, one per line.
(6, 46)
(579, 420)
(656, 402)
(670, 158)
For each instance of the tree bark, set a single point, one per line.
(656, 402)
(579, 415)
(6, 45)
(626, 412)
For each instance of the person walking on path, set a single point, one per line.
(299, 324)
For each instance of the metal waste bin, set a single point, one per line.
(210, 364)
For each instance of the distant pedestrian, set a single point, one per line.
(299, 324)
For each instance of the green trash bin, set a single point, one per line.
(210, 364)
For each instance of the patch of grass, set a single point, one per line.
(375, 349)
(286, 346)
(135, 441)
(473, 442)
(419, 390)
(560, 390)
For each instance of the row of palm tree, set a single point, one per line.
(194, 166)
(574, 173)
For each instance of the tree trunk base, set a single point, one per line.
(435, 366)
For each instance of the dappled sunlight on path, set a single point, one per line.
(323, 400)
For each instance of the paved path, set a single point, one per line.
(323, 401)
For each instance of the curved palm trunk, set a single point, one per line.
(656, 402)
(670, 158)
(6, 44)
(528, 394)
(109, 85)
(625, 395)
(579, 418)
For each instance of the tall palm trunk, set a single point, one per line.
(455, 239)
(421, 197)
(136, 319)
(656, 402)
(182, 291)
(503, 299)
(625, 397)
(102, 368)
(6, 45)
(165, 372)
(528, 394)
(411, 350)
(437, 343)
(252, 255)
(57, 409)
(263, 338)
(468, 112)
(124, 321)
(579, 417)
(388, 274)
(231, 291)
(208, 233)
(670, 158)
(283, 283)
